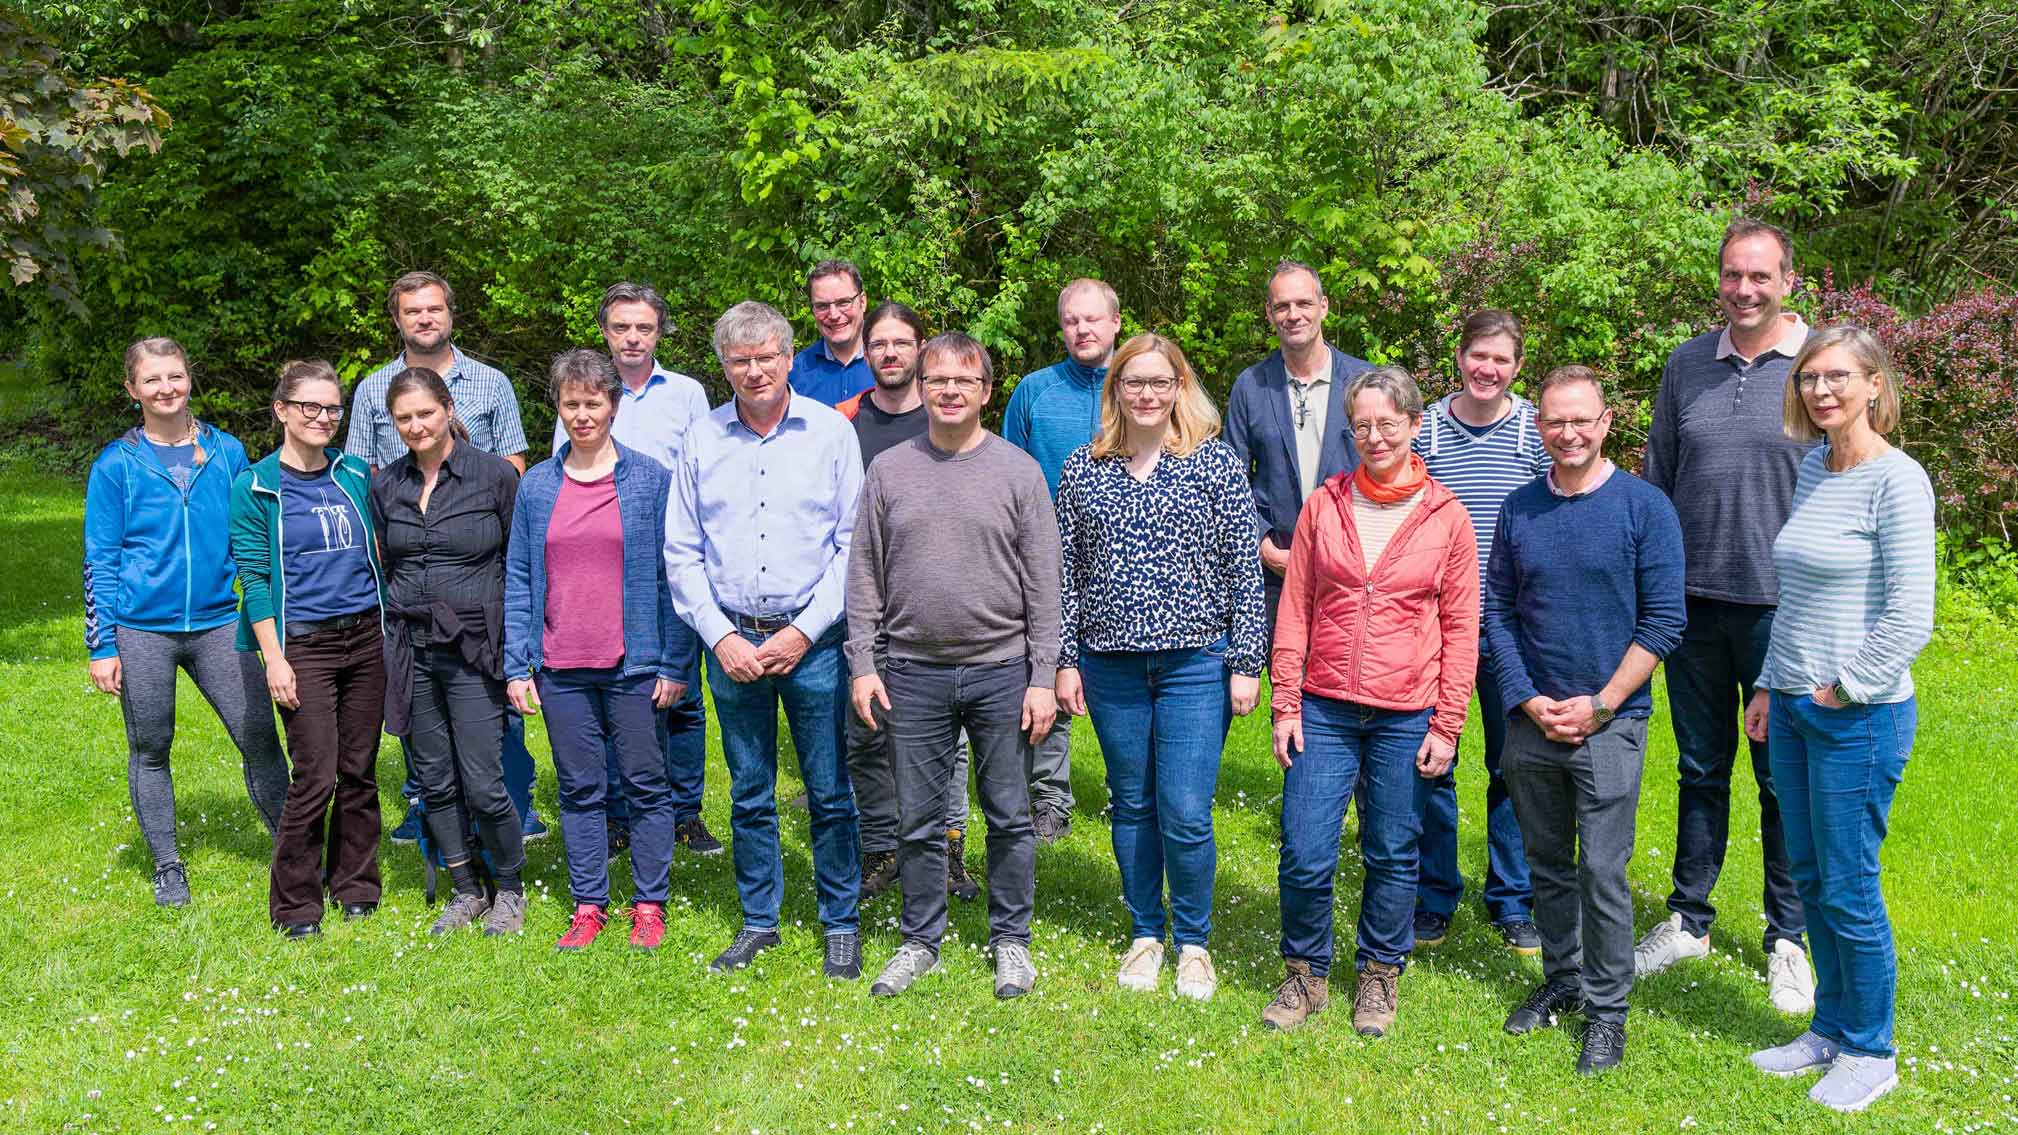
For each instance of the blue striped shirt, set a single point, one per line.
(1856, 569)
(1480, 469)
(484, 401)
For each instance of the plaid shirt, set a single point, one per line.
(483, 401)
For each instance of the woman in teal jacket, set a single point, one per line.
(312, 601)
(158, 598)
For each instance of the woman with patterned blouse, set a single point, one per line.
(1163, 640)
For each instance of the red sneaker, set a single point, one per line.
(648, 925)
(588, 922)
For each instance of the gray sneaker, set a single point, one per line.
(462, 910)
(911, 962)
(171, 885)
(1808, 1052)
(1855, 1082)
(1015, 975)
(507, 915)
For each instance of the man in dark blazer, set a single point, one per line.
(1287, 418)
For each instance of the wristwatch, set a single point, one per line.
(1843, 695)
(1601, 712)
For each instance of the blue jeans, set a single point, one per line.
(814, 696)
(590, 713)
(1509, 895)
(1347, 745)
(517, 762)
(1161, 716)
(685, 725)
(1836, 770)
(1717, 664)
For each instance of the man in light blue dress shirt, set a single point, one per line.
(757, 531)
(655, 410)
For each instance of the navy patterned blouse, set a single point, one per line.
(1171, 563)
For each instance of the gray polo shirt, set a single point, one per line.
(1716, 448)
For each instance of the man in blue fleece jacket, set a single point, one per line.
(1583, 598)
(1051, 413)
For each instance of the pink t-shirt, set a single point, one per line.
(585, 577)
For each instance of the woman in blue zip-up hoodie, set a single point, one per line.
(158, 597)
(590, 634)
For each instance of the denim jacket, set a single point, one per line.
(655, 640)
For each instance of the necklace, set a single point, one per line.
(188, 436)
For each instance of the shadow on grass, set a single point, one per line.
(228, 824)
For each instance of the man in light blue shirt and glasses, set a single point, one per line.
(757, 532)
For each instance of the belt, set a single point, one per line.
(763, 624)
(340, 622)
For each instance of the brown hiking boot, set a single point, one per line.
(959, 884)
(879, 873)
(1300, 995)
(1373, 1002)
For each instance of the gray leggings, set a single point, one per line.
(234, 685)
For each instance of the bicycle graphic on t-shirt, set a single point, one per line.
(337, 532)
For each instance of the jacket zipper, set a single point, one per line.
(1408, 527)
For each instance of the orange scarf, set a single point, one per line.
(1406, 485)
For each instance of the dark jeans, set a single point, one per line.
(1162, 716)
(1576, 805)
(685, 728)
(814, 697)
(872, 769)
(1710, 677)
(516, 762)
(1508, 893)
(929, 706)
(590, 714)
(1348, 746)
(458, 729)
(1837, 770)
(332, 738)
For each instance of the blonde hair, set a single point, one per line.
(1194, 420)
(1086, 284)
(1870, 355)
(158, 347)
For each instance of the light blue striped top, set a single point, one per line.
(1856, 569)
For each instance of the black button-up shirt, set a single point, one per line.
(453, 553)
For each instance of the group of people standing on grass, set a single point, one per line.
(844, 540)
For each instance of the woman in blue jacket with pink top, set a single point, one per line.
(158, 598)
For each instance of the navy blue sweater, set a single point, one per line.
(1573, 581)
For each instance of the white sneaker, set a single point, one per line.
(1666, 944)
(1855, 1082)
(1142, 965)
(1789, 981)
(1195, 978)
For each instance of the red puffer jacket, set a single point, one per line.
(1404, 636)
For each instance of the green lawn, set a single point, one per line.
(116, 1016)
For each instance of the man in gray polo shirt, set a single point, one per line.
(969, 612)
(1716, 448)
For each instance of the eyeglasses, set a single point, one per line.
(745, 362)
(1579, 425)
(964, 383)
(823, 307)
(1390, 428)
(1833, 381)
(885, 346)
(1158, 385)
(314, 410)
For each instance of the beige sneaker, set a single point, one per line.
(1142, 965)
(1195, 978)
(1301, 995)
(1789, 982)
(1373, 1001)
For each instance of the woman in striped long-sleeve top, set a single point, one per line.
(1856, 569)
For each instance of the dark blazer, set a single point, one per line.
(1258, 428)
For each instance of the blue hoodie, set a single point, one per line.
(157, 557)
(1053, 412)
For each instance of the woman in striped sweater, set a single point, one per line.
(1856, 569)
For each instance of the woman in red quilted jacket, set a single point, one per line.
(1376, 647)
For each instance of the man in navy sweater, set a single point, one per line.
(1584, 596)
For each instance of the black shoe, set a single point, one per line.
(879, 873)
(695, 837)
(1051, 825)
(844, 957)
(1521, 936)
(352, 911)
(300, 929)
(618, 834)
(744, 950)
(959, 883)
(171, 885)
(1549, 1002)
(1604, 1047)
(1430, 929)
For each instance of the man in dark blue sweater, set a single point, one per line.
(1584, 596)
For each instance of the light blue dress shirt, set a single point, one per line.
(653, 418)
(761, 525)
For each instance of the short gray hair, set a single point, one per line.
(579, 366)
(1394, 382)
(750, 324)
(628, 292)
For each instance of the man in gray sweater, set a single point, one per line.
(954, 573)
(1717, 449)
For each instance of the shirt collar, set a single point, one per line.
(456, 361)
(792, 413)
(659, 376)
(827, 353)
(1793, 333)
(1604, 475)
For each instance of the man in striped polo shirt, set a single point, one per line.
(1717, 449)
